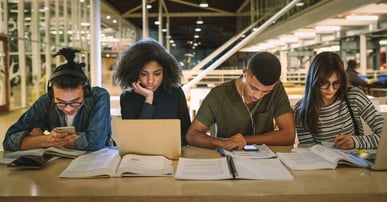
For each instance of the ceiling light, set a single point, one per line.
(196, 36)
(383, 42)
(199, 21)
(149, 6)
(363, 17)
(198, 29)
(299, 4)
(288, 39)
(203, 4)
(305, 34)
(327, 28)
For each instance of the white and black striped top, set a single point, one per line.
(336, 119)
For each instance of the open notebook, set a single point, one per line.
(147, 136)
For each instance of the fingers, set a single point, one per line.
(62, 139)
(344, 142)
(138, 88)
(235, 142)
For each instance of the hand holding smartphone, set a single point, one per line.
(64, 129)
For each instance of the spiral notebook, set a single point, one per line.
(147, 136)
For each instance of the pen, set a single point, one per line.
(221, 151)
(232, 168)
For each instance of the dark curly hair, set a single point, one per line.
(140, 53)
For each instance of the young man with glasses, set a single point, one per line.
(242, 111)
(69, 101)
(331, 112)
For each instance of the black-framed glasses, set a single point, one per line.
(62, 105)
(326, 85)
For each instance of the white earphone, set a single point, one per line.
(247, 108)
(243, 87)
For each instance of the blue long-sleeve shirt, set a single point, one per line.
(92, 122)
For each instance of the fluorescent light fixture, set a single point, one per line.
(199, 21)
(276, 42)
(196, 36)
(85, 24)
(383, 42)
(327, 28)
(157, 22)
(203, 4)
(363, 17)
(334, 48)
(148, 6)
(305, 34)
(289, 39)
(198, 29)
(299, 4)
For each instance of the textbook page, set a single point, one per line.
(101, 163)
(108, 163)
(141, 165)
(56, 151)
(261, 169)
(304, 161)
(203, 169)
(317, 157)
(335, 156)
(218, 169)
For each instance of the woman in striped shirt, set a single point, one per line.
(330, 111)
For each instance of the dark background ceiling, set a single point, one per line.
(220, 21)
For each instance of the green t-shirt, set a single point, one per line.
(224, 106)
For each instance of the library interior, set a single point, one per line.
(212, 41)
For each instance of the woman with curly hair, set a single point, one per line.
(332, 112)
(151, 78)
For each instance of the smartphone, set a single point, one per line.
(35, 162)
(250, 147)
(68, 129)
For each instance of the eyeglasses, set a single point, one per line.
(326, 85)
(62, 105)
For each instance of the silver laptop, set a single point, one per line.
(380, 162)
(147, 136)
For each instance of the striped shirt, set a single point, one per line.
(336, 119)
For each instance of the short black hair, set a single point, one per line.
(265, 67)
(351, 64)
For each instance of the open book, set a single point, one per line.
(108, 163)
(319, 157)
(37, 158)
(53, 151)
(231, 168)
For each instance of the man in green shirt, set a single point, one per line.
(253, 109)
